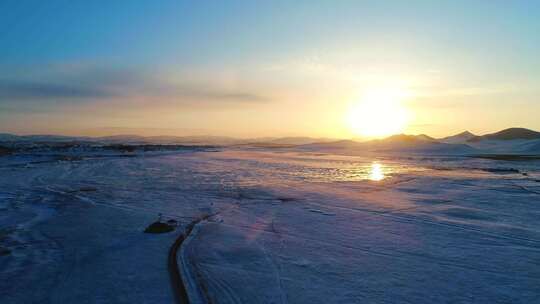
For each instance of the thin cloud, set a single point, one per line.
(75, 85)
(22, 91)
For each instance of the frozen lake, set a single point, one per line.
(284, 227)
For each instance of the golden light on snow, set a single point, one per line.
(376, 173)
(379, 112)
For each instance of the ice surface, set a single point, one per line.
(287, 227)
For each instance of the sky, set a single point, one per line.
(268, 68)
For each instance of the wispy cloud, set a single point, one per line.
(72, 84)
(19, 90)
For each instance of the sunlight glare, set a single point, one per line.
(376, 173)
(379, 113)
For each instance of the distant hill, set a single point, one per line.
(460, 138)
(421, 144)
(512, 141)
(332, 145)
(8, 137)
(404, 138)
(527, 146)
(123, 139)
(36, 138)
(160, 140)
(508, 141)
(296, 140)
(166, 140)
(509, 134)
(532, 148)
(417, 144)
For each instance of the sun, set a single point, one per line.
(380, 112)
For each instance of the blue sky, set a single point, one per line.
(86, 66)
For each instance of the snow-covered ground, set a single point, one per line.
(285, 227)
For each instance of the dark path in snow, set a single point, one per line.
(177, 284)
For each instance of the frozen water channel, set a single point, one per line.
(284, 228)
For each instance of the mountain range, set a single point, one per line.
(6, 138)
(512, 141)
(508, 141)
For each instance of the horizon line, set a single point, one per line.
(256, 137)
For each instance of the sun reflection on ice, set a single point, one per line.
(376, 173)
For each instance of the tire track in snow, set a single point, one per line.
(177, 282)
